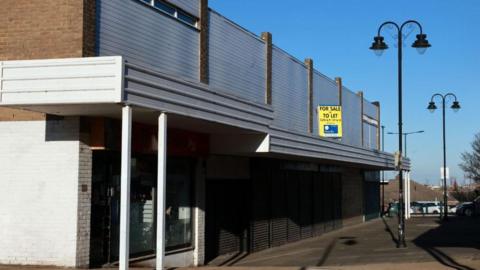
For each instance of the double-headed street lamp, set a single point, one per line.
(378, 46)
(432, 107)
(405, 137)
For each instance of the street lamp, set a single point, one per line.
(455, 107)
(405, 137)
(378, 46)
(383, 173)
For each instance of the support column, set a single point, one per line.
(125, 187)
(406, 194)
(377, 104)
(338, 80)
(161, 184)
(203, 61)
(309, 64)
(267, 38)
(362, 136)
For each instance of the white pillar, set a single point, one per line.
(409, 191)
(161, 183)
(407, 194)
(125, 187)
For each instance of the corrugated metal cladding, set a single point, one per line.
(369, 109)
(289, 92)
(292, 204)
(147, 37)
(237, 60)
(352, 121)
(190, 6)
(369, 131)
(369, 136)
(325, 92)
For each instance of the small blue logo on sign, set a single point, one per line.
(330, 129)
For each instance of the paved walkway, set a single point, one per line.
(430, 242)
(372, 245)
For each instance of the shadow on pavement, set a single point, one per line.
(327, 252)
(458, 232)
(389, 230)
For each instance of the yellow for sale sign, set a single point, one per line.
(330, 121)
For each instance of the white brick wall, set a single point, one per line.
(199, 252)
(39, 187)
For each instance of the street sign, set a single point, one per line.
(398, 160)
(441, 173)
(330, 121)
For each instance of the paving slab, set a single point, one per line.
(431, 244)
(375, 242)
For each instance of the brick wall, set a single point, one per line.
(84, 204)
(200, 192)
(43, 219)
(46, 29)
(352, 197)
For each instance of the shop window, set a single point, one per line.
(178, 207)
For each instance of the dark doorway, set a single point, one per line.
(104, 204)
(227, 216)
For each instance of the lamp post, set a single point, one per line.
(378, 46)
(405, 134)
(432, 107)
(383, 173)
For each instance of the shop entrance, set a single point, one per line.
(105, 207)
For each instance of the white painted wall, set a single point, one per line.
(39, 192)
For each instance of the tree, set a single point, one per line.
(471, 160)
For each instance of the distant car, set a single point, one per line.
(469, 208)
(393, 209)
(427, 207)
(465, 209)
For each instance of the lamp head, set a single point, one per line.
(378, 45)
(431, 106)
(455, 106)
(421, 44)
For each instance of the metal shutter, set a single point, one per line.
(293, 207)
(260, 223)
(318, 209)
(305, 181)
(225, 215)
(279, 220)
(337, 190)
(328, 202)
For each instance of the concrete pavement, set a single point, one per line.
(430, 245)
(428, 241)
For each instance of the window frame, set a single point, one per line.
(176, 12)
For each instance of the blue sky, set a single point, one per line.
(336, 35)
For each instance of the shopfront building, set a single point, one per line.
(172, 136)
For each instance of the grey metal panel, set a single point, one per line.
(145, 36)
(297, 144)
(152, 89)
(325, 92)
(289, 91)
(369, 109)
(369, 136)
(190, 6)
(351, 116)
(236, 60)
